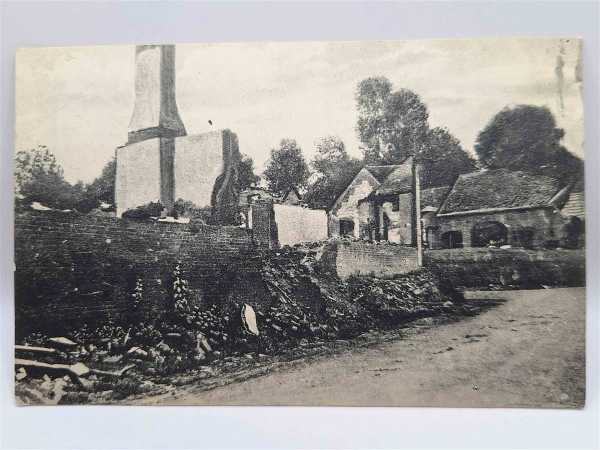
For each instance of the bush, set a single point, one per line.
(152, 209)
(188, 209)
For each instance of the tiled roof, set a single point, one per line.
(499, 189)
(574, 206)
(381, 172)
(399, 180)
(433, 197)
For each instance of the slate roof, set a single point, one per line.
(398, 181)
(498, 190)
(433, 197)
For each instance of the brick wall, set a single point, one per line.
(364, 258)
(73, 268)
(480, 267)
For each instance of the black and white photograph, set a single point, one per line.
(312, 223)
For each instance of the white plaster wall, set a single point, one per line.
(198, 161)
(348, 208)
(296, 224)
(138, 175)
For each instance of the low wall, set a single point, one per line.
(73, 268)
(364, 258)
(481, 267)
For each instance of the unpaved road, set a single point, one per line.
(527, 352)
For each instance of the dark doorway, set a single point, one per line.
(346, 227)
(386, 227)
(524, 237)
(490, 233)
(573, 231)
(452, 239)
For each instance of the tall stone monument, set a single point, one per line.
(160, 162)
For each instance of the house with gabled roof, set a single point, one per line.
(379, 204)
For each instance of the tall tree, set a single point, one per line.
(443, 159)
(246, 175)
(525, 137)
(371, 97)
(287, 168)
(391, 125)
(334, 169)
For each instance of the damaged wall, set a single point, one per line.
(73, 267)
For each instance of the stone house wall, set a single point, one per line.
(546, 224)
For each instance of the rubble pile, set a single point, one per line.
(307, 306)
(310, 302)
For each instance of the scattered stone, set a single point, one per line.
(448, 304)
(138, 352)
(21, 374)
(35, 350)
(249, 319)
(106, 395)
(62, 342)
(80, 369)
(174, 335)
(163, 347)
(202, 343)
(114, 359)
(563, 397)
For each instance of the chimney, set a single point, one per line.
(155, 111)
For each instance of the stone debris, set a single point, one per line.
(137, 352)
(62, 342)
(306, 307)
(35, 350)
(21, 374)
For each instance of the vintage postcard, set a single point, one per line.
(395, 223)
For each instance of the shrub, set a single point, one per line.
(152, 209)
(188, 209)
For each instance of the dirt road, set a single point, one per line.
(527, 352)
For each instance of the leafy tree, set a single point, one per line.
(246, 175)
(443, 159)
(39, 178)
(371, 97)
(391, 125)
(287, 168)
(334, 170)
(525, 137)
(102, 189)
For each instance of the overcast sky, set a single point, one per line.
(78, 100)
